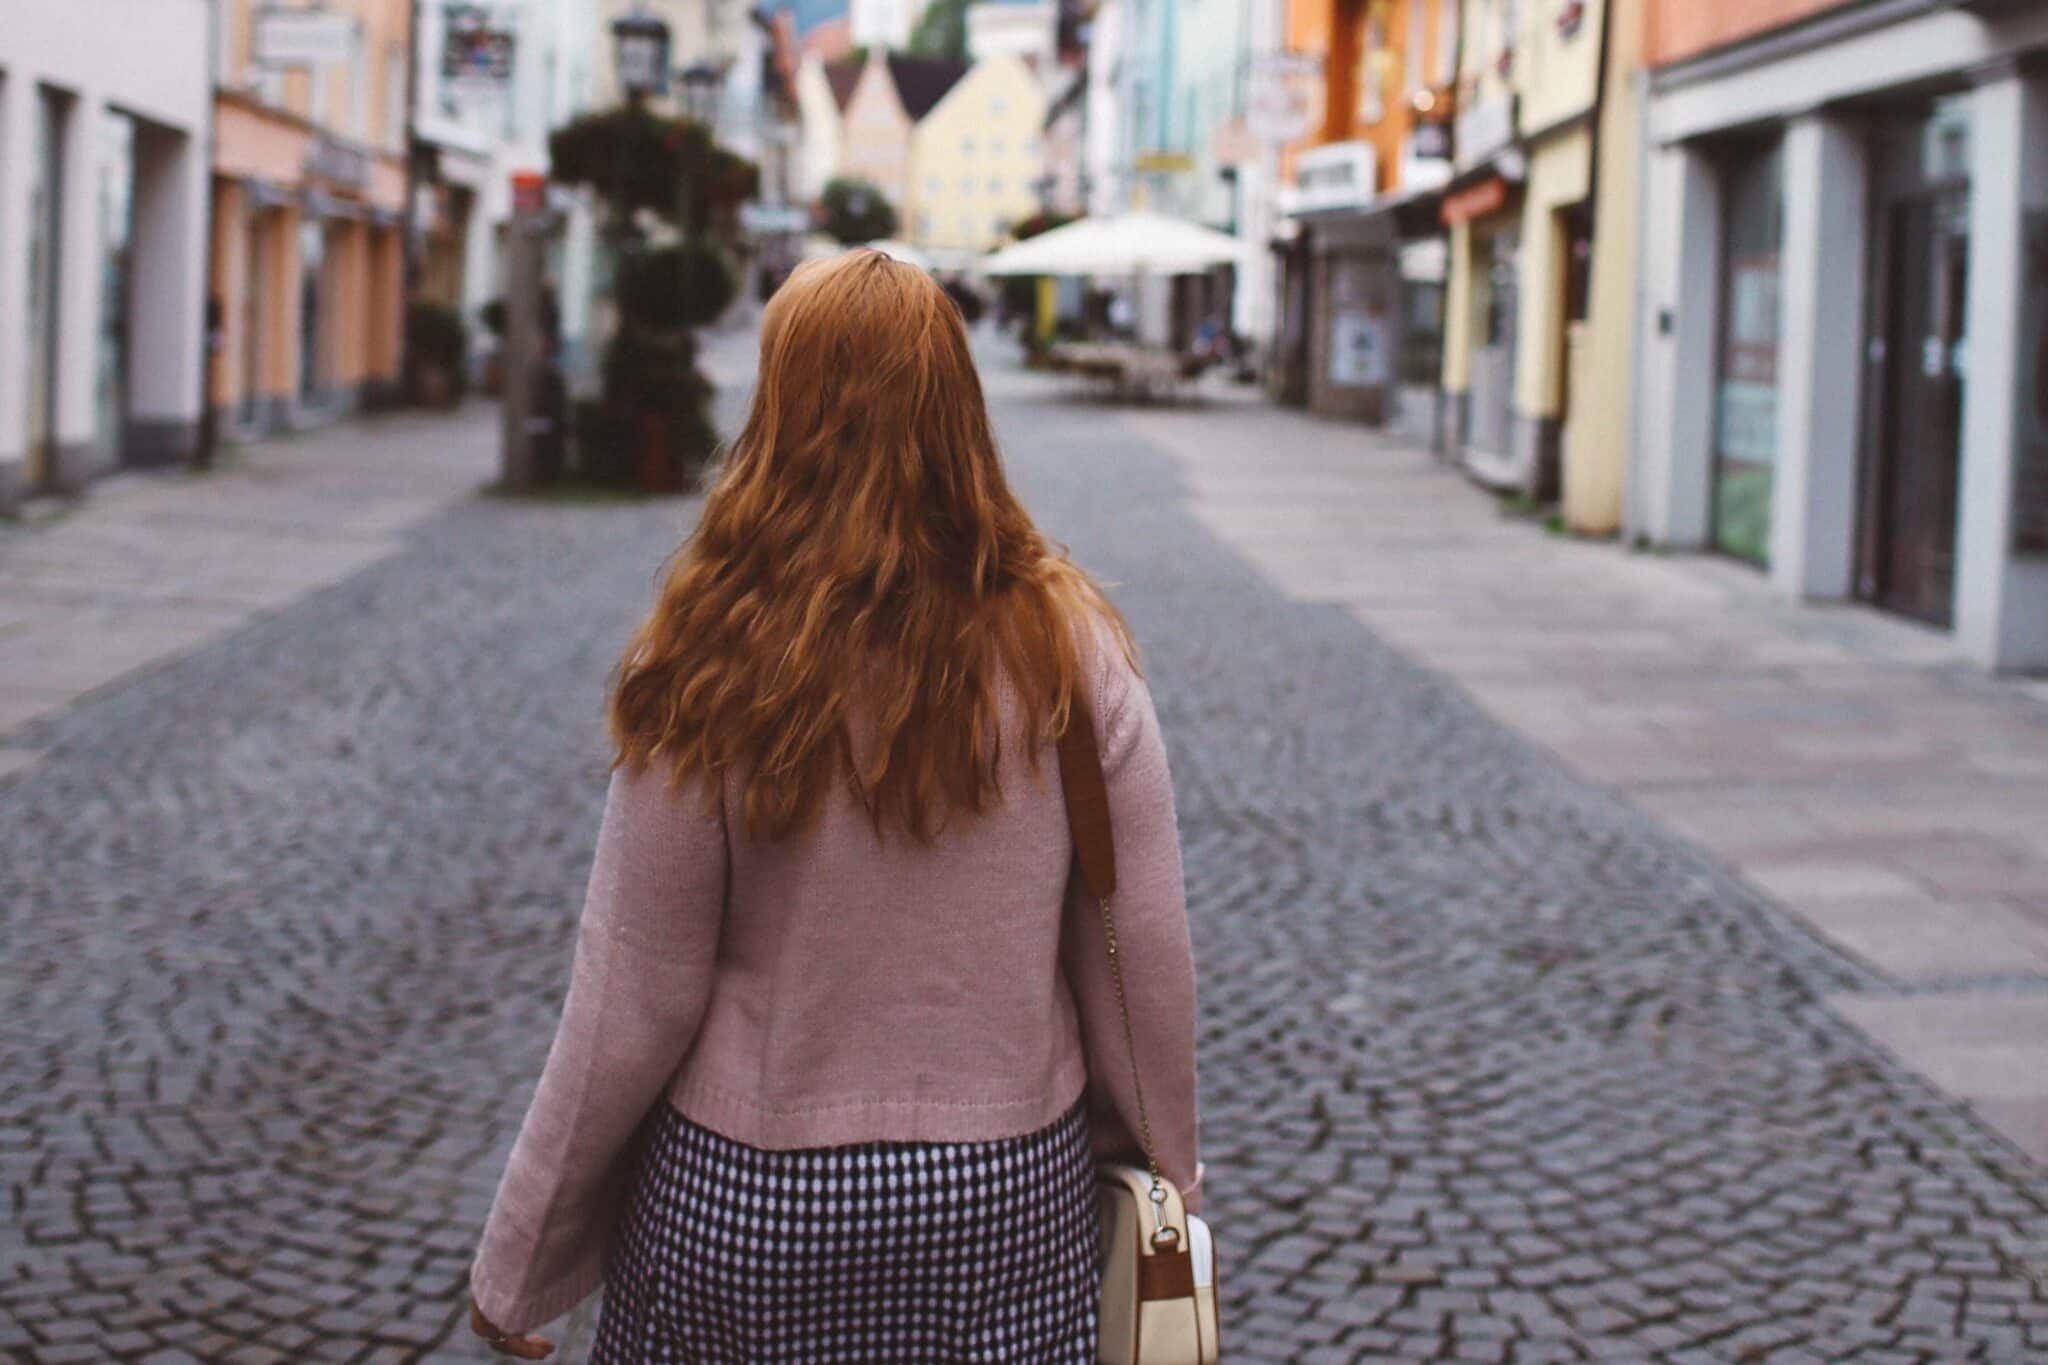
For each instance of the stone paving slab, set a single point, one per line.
(1850, 765)
(151, 566)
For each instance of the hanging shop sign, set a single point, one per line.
(1336, 175)
(1426, 157)
(1162, 161)
(477, 47)
(1474, 201)
(1282, 96)
(287, 38)
(1484, 128)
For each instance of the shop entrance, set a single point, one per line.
(1491, 425)
(1918, 355)
(312, 309)
(116, 203)
(45, 249)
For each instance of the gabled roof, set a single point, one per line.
(842, 76)
(922, 82)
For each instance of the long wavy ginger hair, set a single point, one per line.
(860, 552)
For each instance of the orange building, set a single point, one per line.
(1362, 281)
(307, 283)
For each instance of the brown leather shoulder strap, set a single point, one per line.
(1088, 817)
(1087, 801)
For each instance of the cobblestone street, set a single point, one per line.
(1493, 1068)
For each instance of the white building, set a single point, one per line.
(1844, 314)
(482, 126)
(104, 113)
(822, 89)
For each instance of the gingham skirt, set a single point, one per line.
(887, 1252)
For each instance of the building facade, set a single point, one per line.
(104, 115)
(893, 92)
(1521, 244)
(975, 159)
(494, 81)
(1845, 232)
(308, 274)
(1363, 279)
(823, 90)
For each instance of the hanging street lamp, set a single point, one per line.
(640, 49)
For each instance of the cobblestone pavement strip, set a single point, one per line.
(1493, 1070)
(151, 566)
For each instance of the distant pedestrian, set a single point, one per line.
(842, 1039)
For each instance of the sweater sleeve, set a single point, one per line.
(637, 990)
(1152, 938)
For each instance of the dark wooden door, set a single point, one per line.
(1910, 530)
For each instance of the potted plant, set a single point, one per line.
(439, 345)
(651, 425)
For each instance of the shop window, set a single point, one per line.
(1501, 249)
(1577, 222)
(1422, 332)
(116, 204)
(1746, 382)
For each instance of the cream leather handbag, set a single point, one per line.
(1158, 1262)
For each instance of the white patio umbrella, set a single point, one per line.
(1124, 244)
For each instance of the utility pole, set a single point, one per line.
(524, 344)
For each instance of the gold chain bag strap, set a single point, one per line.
(1158, 1262)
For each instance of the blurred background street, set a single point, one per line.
(1578, 473)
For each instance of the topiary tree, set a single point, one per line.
(652, 425)
(853, 211)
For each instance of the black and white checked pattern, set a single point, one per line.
(885, 1252)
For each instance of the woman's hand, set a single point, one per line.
(525, 1348)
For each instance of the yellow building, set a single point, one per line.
(975, 158)
(1521, 224)
(892, 94)
(1596, 433)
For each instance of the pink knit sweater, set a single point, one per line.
(836, 988)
